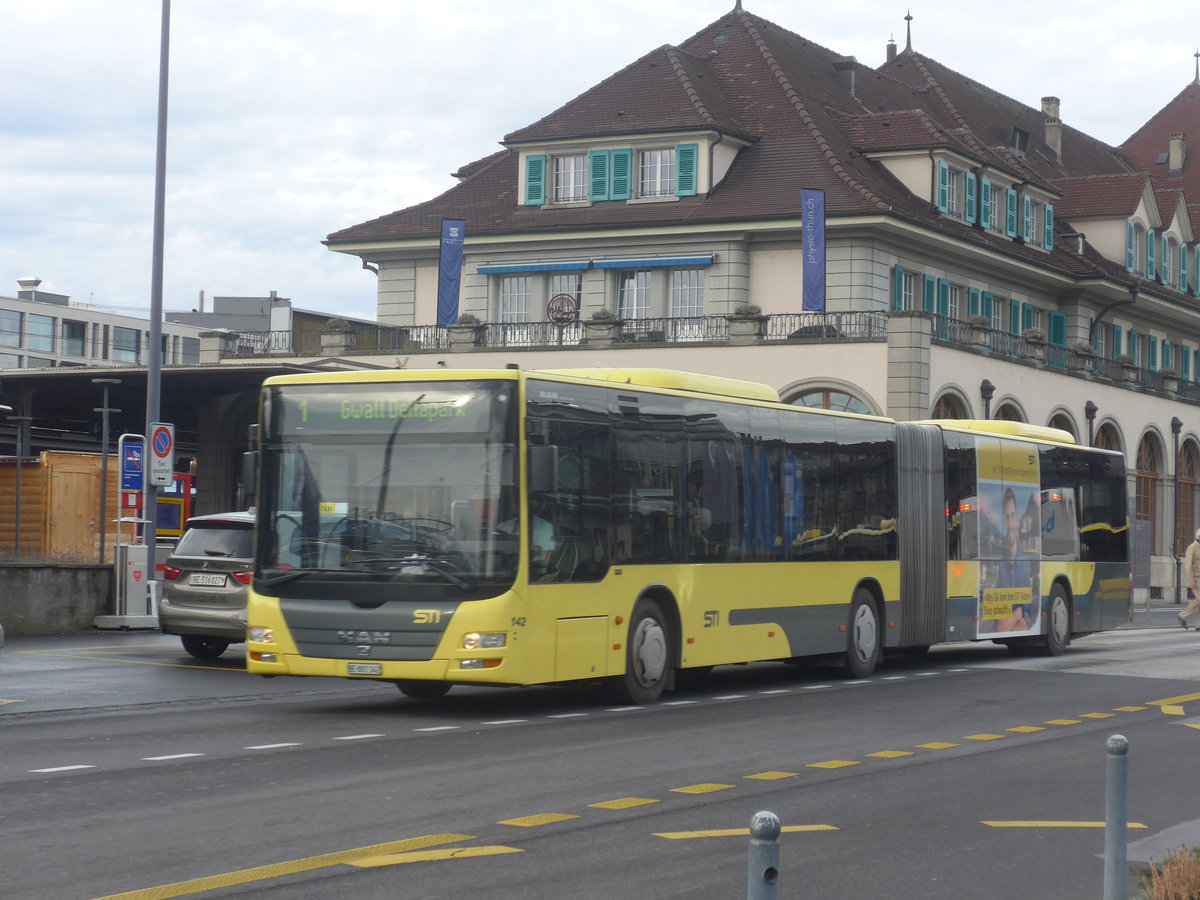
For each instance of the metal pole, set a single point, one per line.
(1116, 816)
(104, 411)
(1176, 427)
(762, 876)
(21, 421)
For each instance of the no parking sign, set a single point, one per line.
(162, 454)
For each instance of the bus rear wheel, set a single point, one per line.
(1058, 628)
(862, 641)
(647, 656)
(423, 690)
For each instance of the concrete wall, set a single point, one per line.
(53, 598)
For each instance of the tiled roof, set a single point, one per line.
(1100, 196)
(1145, 146)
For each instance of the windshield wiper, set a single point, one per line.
(291, 575)
(429, 562)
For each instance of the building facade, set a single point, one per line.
(983, 259)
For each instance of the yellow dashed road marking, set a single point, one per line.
(701, 788)
(1063, 722)
(397, 859)
(890, 754)
(1172, 710)
(535, 821)
(938, 745)
(1033, 823)
(983, 737)
(278, 870)
(1183, 698)
(1026, 729)
(834, 764)
(622, 803)
(1129, 708)
(772, 776)
(1095, 715)
(6, 702)
(736, 832)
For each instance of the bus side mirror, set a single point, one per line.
(543, 468)
(249, 479)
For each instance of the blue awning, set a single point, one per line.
(649, 262)
(569, 265)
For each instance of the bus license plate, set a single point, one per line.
(207, 579)
(366, 669)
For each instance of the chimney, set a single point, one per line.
(1053, 126)
(1176, 154)
(845, 67)
(891, 49)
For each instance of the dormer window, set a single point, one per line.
(656, 172)
(570, 178)
(1019, 141)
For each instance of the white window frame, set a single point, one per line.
(658, 169)
(570, 178)
(633, 293)
(954, 178)
(910, 290)
(999, 209)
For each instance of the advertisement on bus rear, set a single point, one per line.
(1010, 538)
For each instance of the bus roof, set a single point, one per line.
(674, 380)
(1007, 428)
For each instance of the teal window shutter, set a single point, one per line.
(1165, 260)
(685, 171)
(1010, 213)
(1131, 344)
(1151, 249)
(598, 164)
(943, 297)
(1097, 334)
(943, 186)
(1027, 315)
(1014, 317)
(1183, 268)
(1058, 328)
(535, 180)
(1185, 363)
(1130, 247)
(1026, 218)
(985, 306)
(898, 287)
(985, 202)
(1166, 353)
(1116, 341)
(970, 209)
(929, 299)
(620, 174)
(1152, 353)
(1048, 243)
(972, 301)
(1196, 277)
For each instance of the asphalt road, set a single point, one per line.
(126, 767)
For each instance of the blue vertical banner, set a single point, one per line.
(450, 259)
(812, 204)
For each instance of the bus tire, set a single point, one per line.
(1058, 625)
(423, 690)
(647, 656)
(201, 647)
(862, 639)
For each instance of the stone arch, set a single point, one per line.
(952, 403)
(1150, 467)
(830, 393)
(1009, 409)
(1062, 418)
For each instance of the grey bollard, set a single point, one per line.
(762, 880)
(1116, 817)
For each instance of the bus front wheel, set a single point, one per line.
(862, 644)
(647, 656)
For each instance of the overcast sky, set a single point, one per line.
(290, 119)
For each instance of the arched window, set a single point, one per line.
(1008, 413)
(1149, 467)
(950, 407)
(1064, 422)
(1107, 438)
(1189, 482)
(826, 398)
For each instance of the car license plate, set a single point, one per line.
(207, 579)
(366, 669)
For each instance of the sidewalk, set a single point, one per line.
(1159, 615)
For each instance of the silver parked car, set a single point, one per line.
(205, 582)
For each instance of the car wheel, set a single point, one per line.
(202, 647)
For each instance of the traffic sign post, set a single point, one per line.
(162, 454)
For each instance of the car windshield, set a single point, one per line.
(411, 482)
(216, 539)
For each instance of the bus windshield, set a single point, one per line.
(410, 483)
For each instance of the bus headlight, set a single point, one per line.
(488, 640)
(262, 635)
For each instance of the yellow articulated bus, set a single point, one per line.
(505, 527)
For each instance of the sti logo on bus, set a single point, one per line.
(427, 616)
(712, 618)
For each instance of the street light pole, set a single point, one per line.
(104, 411)
(22, 422)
